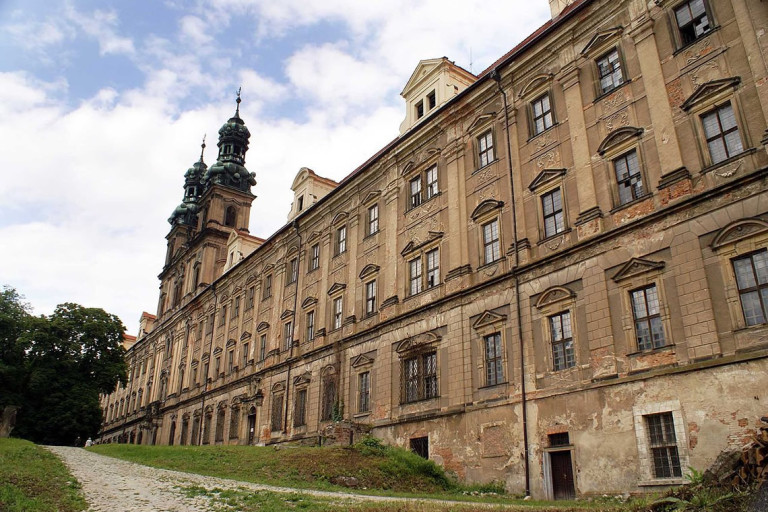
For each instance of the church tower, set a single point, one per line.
(217, 202)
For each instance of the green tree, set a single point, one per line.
(66, 360)
(14, 323)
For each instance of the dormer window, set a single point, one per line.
(431, 100)
(301, 203)
(420, 109)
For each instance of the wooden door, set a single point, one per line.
(562, 475)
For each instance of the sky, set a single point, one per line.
(103, 106)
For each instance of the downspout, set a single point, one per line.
(497, 77)
(293, 328)
(205, 387)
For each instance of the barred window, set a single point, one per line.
(491, 242)
(300, 408)
(645, 309)
(722, 133)
(328, 397)
(494, 368)
(563, 355)
(752, 280)
(628, 177)
(234, 422)
(663, 444)
(364, 392)
(276, 423)
(419, 377)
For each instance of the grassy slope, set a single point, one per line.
(389, 471)
(34, 480)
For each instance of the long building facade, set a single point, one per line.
(556, 276)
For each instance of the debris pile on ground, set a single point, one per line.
(742, 469)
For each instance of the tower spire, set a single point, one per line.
(238, 100)
(202, 148)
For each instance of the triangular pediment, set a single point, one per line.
(600, 40)
(336, 288)
(710, 90)
(488, 318)
(413, 246)
(553, 295)
(245, 336)
(303, 379)
(485, 207)
(423, 69)
(251, 278)
(308, 302)
(637, 266)
(288, 313)
(546, 176)
(263, 326)
(481, 120)
(231, 343)
(369, 270)
(536, 84)
(361, 360)
(616, 137)
(739, 230)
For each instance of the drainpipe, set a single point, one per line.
(293, 327)
(497, 77)
(205, 387)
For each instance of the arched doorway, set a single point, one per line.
(251, 425)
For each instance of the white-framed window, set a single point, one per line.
(433, 267)
(541, 114)
(373, 219)
(491, 242)
(722, 133)
(609, 68)
(662, 444)
(552, 210)
(485, 152)
(370, 298)
(338, 304)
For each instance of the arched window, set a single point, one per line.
(229, 217)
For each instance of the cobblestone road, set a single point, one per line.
(114, 485)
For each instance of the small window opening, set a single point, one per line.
(431, 100)
(560, 439)
(420, 110)
(301, 203)
(420, 446)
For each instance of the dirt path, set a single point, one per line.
(116, 485)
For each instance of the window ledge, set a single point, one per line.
(605, 94)
(485, 166)
(490, 386)
(666, 348)
(419, 401)
(554, 125)
(698, 39)
(632, 203)
(425, 201)
(553, 237)
(661, 482)
(422, 292)
(362, 414)
(372, 235)
(729, 160)
(489, 264)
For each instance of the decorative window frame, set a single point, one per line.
(328, 375)
(480, 127)
(552, 301)
(640, 273)
(414, 250)
(645, 462)
(340, 225)
(671, 6)
(371, 200)
(277, 392)
(417, 346)
(362, 363)
(485, 212)
(413, 171)
(301, 383)
(707, 98)
(599, 46)
(336, 292)
(544, 183)
(535, 89)
(738, 239)
(267, 282)
(368, 275)
(616, 144)
(487, 324)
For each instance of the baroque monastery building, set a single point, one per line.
(556, 276)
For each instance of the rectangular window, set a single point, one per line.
(723, 140)
(494, 368)
(287, 335)
(646, 311)
(663, 444)
(370, 298)
(628, 177)
(276, 423)
(692, 20)
(223, 317)
(206, 371)
(609, 68)
(364, 392)
(415, 192)
(293, 271)
(341, 240)
(542, 114)
(552, 208)
(262, 347)
(420, 109)
(433, 268)
(752, 280)
(563, 355)
(217, 366)
(431, 100)
(231, 361)
(236, 309)
(373, 219)
(337, 312)
(414, 269)
(314, 259)
(209, 327)
(249, 297)
(491, 242)
(245, 354)
(310, 326)
(485, 148)
(300, 408)
(267, 286)
(432, 187)
(419, 378)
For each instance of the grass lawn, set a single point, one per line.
(378, 470)
(34, 480)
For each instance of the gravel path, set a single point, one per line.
(111, 484)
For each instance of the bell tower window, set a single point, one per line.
(230, 216)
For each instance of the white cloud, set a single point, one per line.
(101, 25)
(193, 30)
